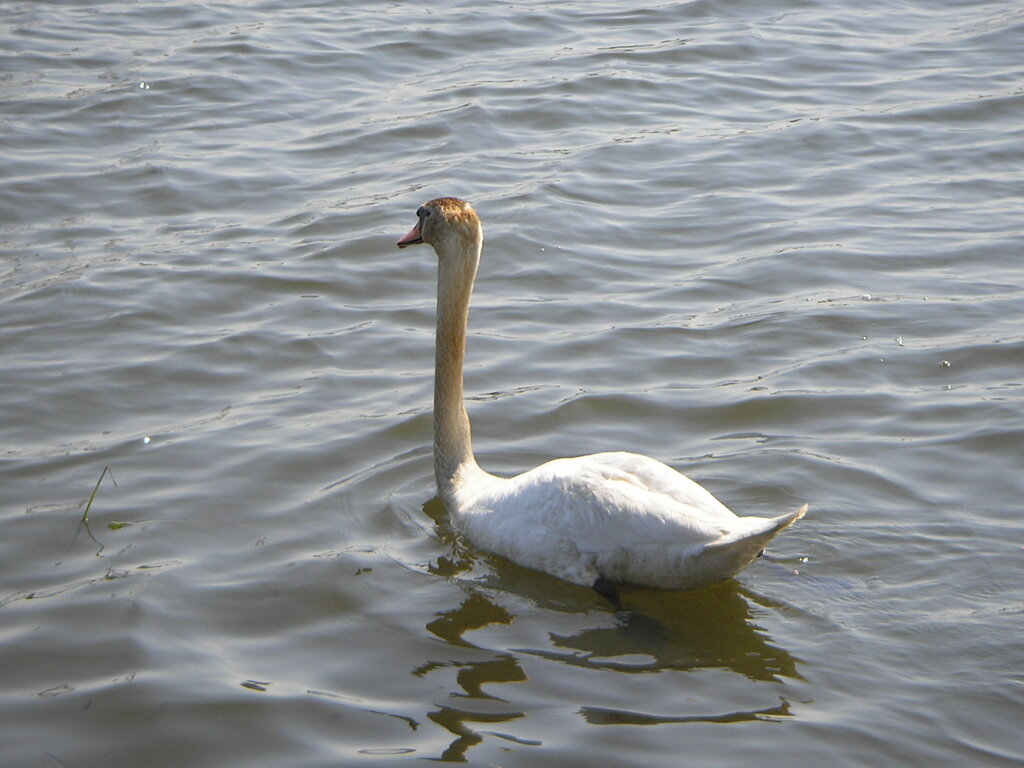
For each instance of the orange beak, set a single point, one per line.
(411, 238)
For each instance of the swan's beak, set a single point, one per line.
(412, 237)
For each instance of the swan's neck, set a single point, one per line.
(454, 463)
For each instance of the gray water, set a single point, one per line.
(776, 244)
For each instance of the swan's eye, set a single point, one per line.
(422, 212)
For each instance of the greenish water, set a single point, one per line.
(776, 245)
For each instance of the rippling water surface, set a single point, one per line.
(775, 244)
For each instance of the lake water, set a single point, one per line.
(776, 244)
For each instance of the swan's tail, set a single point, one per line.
(735, 550)
(691, 566)
(782, 522)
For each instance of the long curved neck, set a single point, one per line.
(453, 446)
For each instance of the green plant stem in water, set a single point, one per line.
(88, 506)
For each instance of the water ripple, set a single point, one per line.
(773, 244)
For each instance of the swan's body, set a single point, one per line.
(591, 520)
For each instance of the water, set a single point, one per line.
(775, 244)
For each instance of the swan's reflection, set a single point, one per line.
(475, 612)
(707, 628)
(704, 629)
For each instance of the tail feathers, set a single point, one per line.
(742, 546)
(782, 522)
(688, 566)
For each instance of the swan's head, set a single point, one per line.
(446, 223)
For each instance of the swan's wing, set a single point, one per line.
(606, 501)
(659, 478)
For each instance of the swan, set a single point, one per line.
(595, 521)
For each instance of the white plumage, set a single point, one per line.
(591, 520)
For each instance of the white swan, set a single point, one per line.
(591, 520)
